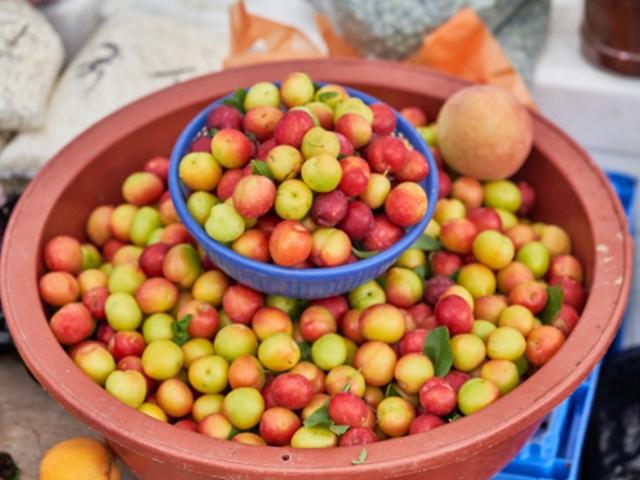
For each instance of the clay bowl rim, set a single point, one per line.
(446, 445)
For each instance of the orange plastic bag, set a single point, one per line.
(461, 46)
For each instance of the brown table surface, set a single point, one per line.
(30, 420)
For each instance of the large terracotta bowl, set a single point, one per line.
(572, 192)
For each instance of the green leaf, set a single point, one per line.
(339, 429)
(320, 417)
(363, 253)
(438, 349)
(422, 271)
(305, 351)
(391, 391)
(362, 457)
(261, 168)
(237, 99)
(212, 132)
(341, 156)
(454, 416)
(316, 86)
(324, 96)
(180, 327)
(427, 243)
(555, 297)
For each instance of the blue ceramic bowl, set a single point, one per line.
(298, 283)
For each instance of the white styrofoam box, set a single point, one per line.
(600, 109)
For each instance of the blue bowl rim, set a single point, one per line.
(403, 126)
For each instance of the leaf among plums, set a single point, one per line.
(391, 391)
(305, 351)
(338, 429)
(212, 132)
(454, 416)
(261, 168)
(180, 328)
(421, 271)
(427, 243)
(323, 97)
(363, 253)
(555, 297)
(320, 418)
(438, 348)
(236, 100)
(362, 457)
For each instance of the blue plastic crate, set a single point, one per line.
(554, 450)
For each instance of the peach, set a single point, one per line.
(94, 360)
(159, 166)
(338, 378)
(94, 300)
(269, 320)
(521, 234)
(292, 128)
(316, 321)
(454, 313)
(457, 235)
(350, 326)
(72, 324)
(152, 258)
(484, 132)
(384, 119)
(182, 265)
(210, 286)
(323, 113)
(290, 243)
(435, 287)
(253, 244)
(424, 423)
(384, 323)
(329, 208)
(513, 274)
(376, 361)
(284, 162)
(231, 148)
(87, 455)
(97, 227)
(437, 397)
(468, 190)
(125, 344)
(253, 196)
(58, 288)
(489, 307)
(395, 415)
(291, 390)
(127, 254)
(415, 168)
(312, 373)
(345, 408)
(126, 277)
(358, 436)
(331, 247)
(415, 115)
(216, 426)
(403, 287)
(174, 397)
(278, 425)
(92, 278)
(566, 319)
(121, 220)
(156, 295)
(227, 183)
(565, 266)
(240, 303)
(485, 219)
(543, 343)
(352, 105)
(355, 129)
(574, 293)
(63, 253)
(261, 121)
(142, 188)
(204, 321)
(531, 295)
(387, 154)
(382, 234)
(406, 204)
(412, 370)
(224, 116)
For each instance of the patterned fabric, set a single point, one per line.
(393, 29)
